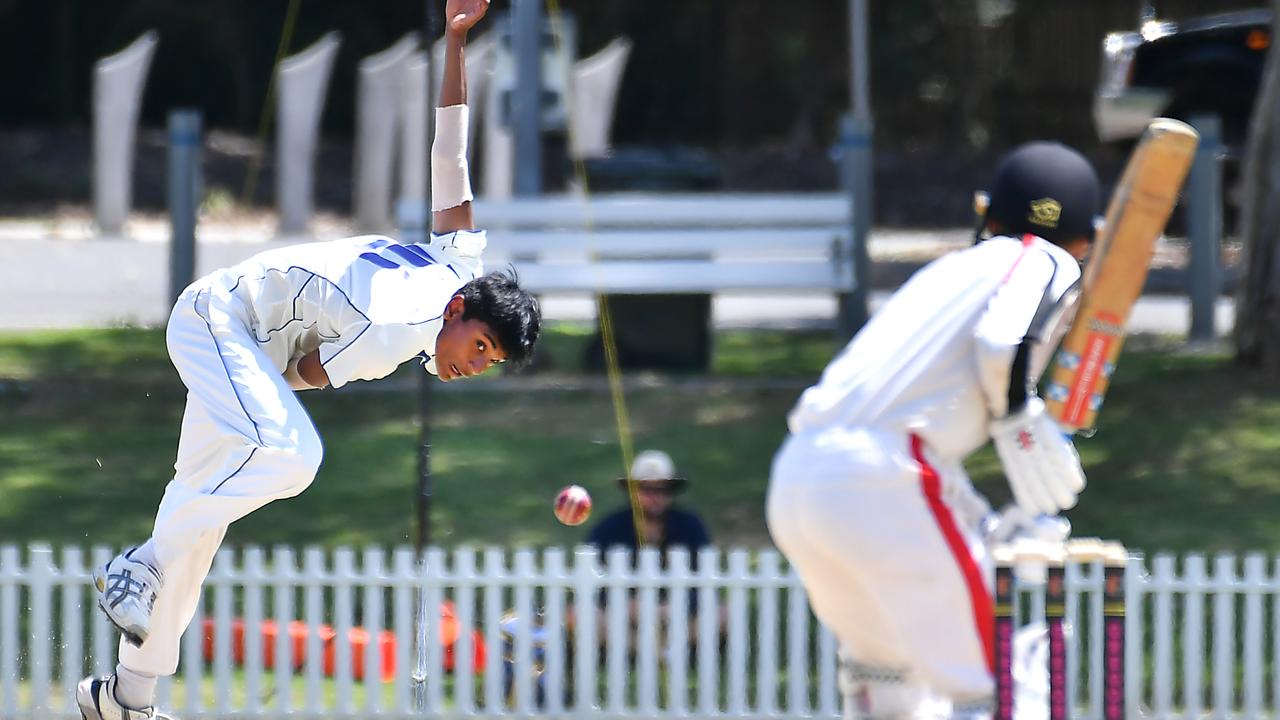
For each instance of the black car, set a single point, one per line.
(1210, 65)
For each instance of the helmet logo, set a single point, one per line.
(1045, 212)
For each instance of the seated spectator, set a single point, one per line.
(663, 526)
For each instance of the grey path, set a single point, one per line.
(57, 279)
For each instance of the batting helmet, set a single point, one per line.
(1045, 189)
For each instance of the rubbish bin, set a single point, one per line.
(657, 332)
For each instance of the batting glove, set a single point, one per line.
(1039, 460)
(1013, 523)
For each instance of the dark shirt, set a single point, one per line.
(683, 529)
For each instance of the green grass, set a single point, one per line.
(1184, 459)
(180, 690)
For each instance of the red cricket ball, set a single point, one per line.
(573, 505)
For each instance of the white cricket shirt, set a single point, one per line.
(368, 303)
(936, 359)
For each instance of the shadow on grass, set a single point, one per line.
(1184, 457)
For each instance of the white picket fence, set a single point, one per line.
(1201, 636)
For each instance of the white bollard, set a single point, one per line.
(413, 131)
(379, 87)
(117, 97)
(593, 99)
(497, 177)
(303, 80)
(411, 208)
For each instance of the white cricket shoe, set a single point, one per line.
(127, 593)
(97, 700)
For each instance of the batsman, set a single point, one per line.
(868, 498)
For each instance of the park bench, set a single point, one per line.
(661, 258)
(663, 244)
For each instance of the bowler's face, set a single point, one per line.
(465, 348)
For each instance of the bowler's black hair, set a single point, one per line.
(497, 300)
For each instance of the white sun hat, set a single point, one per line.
(655, 466)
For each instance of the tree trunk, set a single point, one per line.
(1257, 331)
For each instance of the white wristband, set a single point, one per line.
(450, 177)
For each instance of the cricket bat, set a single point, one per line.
(1116, 271)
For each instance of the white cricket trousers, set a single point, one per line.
(885, 539)
(246, 440)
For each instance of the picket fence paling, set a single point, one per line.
(240, 596)
(9, 575)
(1196, 632)
(1193, 645)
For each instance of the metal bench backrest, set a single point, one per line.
(686, 243)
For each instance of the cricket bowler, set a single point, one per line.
(316, 315)
(868, 498)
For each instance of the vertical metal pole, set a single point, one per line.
(183, 197)
(526, 37)
(422, 633)
(856, 137)
(860, 72)
(1204, 227)
(422, 508)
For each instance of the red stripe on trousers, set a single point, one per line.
(979, 598)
